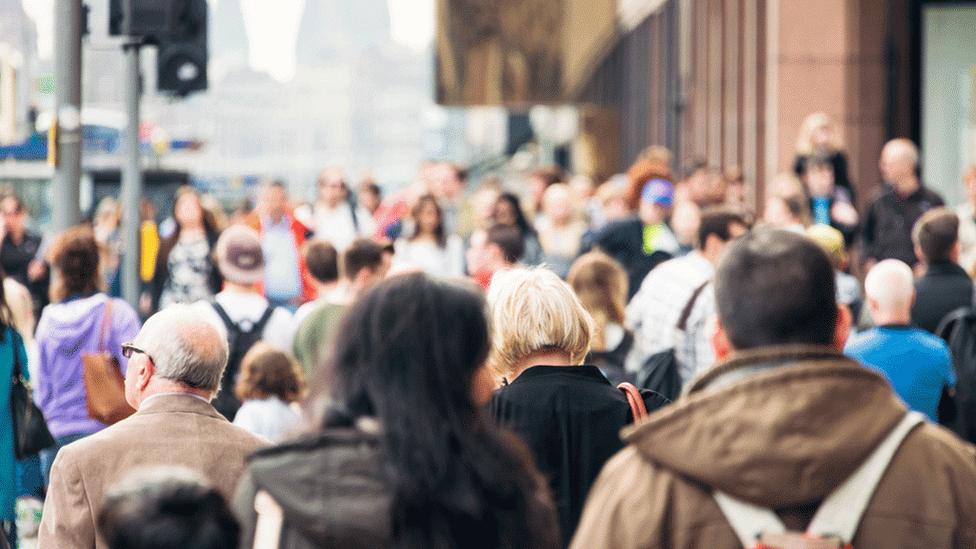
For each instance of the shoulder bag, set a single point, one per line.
(31, 434)
(103, 380)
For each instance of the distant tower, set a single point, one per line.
(341, 26)
(228, 38)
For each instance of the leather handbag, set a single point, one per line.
(103, 380)
(31, 434)
(637, 407)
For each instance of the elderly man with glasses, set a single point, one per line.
(174, 370)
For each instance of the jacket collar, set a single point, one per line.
(938, 268)
(780, 426)
(170, 403)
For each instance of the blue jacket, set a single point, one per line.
(8, 467)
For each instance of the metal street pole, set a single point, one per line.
(67, 100)
(131, 178)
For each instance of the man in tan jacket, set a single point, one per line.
(780, 423)
(175, 365)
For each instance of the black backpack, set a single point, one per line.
(660, 372)
(958, 329)
(240, 338)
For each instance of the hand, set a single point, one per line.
(844, 213)
(36, 270)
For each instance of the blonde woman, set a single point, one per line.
(565, 411)
(818, 136)
(601, 285)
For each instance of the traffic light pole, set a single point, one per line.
(67, 101)
(131, 178)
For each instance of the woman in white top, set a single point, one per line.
(270, 385)
(429, 249)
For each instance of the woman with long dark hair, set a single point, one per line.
(509, 212)
(12, 354)
(405, 456)
(430, 248)
(185, 271)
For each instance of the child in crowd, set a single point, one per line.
(270, 385)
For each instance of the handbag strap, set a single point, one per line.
(690, 306)
(14, 340)
(637, 407)
(106, 325)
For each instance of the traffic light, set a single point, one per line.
(181, 62)
(178, 28)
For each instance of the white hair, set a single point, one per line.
(185, 347)
(891, 285)
(903, 148)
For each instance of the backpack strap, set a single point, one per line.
(637, 407)
(224, 317)
(265, 317)
(690, 306)
(840, 513)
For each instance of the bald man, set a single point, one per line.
(917, 363)
(888, 224)
(175, 365)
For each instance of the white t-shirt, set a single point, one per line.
(241, 306)
(336, 224)
(270, 418)
(431, 258)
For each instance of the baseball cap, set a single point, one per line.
(239, 255)
(658, 191)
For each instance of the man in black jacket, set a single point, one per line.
(889, 220)
(945, 286)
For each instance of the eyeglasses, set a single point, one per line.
(128, 349)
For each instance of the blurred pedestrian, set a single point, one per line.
(14, 355)
(448, 181)
(566, 411)
(167, 508)
(431, 248)
(918, 364)
(887, 230)
(945, 286)
(818, 136)
(786, 205)
(831, 241)
(286, 282)
(508, 212)
(403, 408)
(185, 270)
(369, 196)
(601, 285)
(967, 222)
(781, 424)
(678, 286)
(536, 185)
(364, 264)
(239, 312)
(270, 385)
(337, 218)
(829, 204)
(176, 362)
(642, 242)
(20, 251)
(492, 251)
(107, 227)
(560, 229)
(322, 260)
(81, 320)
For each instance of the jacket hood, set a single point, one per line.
(779, 427)
(329, 487)
(75, 321)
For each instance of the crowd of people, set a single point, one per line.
(640, 363)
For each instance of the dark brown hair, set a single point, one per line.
(322, 260)
(429, 200)
(267, 372)
(936, 233)
(75, 258)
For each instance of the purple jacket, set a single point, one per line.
(65, 331)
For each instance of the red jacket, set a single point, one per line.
(301, 234)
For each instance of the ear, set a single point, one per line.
(956, 251)
(918, 254)
(146, 372)
(843, 328)
(720, 342)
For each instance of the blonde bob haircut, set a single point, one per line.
(533, 311)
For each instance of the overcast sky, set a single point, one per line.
(412, 25)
